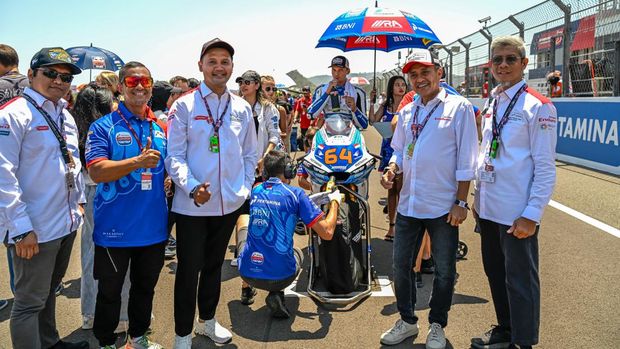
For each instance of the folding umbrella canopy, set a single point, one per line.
(377, 28)
(90, 57)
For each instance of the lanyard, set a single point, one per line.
(416, 128)
(497, 128)
(133, 132)
(68, 159)
(216, 123)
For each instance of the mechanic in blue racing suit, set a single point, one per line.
(340, 95)
(268, 260)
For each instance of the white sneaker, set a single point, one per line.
(213, 330)
(142, 342)
(183, 342)
(87, 322)
(122, 327)
(399, 332)
(436, 338)
(233, 262)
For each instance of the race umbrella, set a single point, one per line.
(359, 80)
(90, 57)
(377, 28)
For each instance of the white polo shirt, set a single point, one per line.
(444, 154)
(525, 162)
(33, 192)
(190, 162)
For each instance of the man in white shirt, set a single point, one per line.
(515, 177)
(435, 145)
(40, 188)
(212, 155)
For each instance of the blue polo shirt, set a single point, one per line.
(275, 208)
(124, 214)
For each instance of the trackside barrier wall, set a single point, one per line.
(587, 131)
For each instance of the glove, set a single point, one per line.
(335, 196)
(320, 198)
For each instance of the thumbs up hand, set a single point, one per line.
(202, 194)
(148, 158)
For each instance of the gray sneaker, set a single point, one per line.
(436, 338)
(399, 332)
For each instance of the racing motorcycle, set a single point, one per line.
(340, 269)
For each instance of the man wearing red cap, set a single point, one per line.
(435, 145)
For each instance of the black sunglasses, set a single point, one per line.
(269, 89)
(246, 82)
(52, 74)
(510, 60)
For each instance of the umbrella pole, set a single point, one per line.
(374, 74)
(90, 71)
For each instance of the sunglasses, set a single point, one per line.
(510, 60)
(134, 81)
(269, 89)
(246, 82)
(52, 74)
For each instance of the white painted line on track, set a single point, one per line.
(587, 219)
(384, 282)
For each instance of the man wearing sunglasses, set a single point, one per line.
(212, 155)
(515, 177)
(41, 187)
(125, 153)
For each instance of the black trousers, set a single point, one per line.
(110, 268)
(201, 247)
(511, 266)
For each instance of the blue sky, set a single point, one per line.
(271, 37)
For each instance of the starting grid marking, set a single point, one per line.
(585, 218)
(384, 283)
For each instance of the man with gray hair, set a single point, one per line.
(515, 176)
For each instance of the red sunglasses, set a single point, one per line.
(133, 81)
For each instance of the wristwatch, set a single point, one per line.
(21, 237)
(461, 203)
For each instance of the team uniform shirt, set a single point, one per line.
(268, 126)
(190, 162)
(301, 171)
(301, 107)
(525, 163)
(321, 102)
(386, 149)
(444, 154)
(33, 190)
(125, 215)
(275, 208)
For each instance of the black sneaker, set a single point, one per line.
(419, 283)
(247, 295)
(275, 303)
(427, 266)
(496, 338)
(69, 345)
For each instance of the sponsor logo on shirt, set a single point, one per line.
(123, 138)
(257, 258)
(5, 130)
(201, 117)
(235, 117)
(43, 128)
(159, 134)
